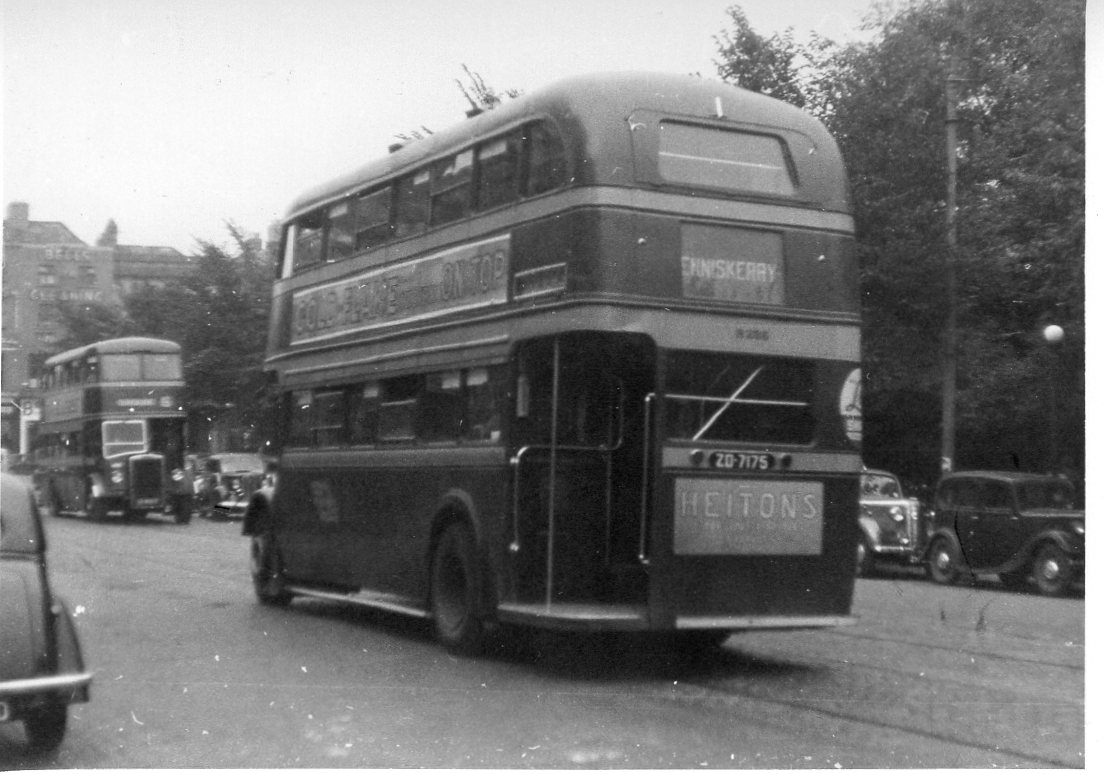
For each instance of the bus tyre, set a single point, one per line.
(944, 566)
(267, 569)
(1052, 570)
(454, 588)
(45, 726)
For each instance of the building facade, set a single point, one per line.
(46, 264)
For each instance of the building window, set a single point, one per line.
(47, 275)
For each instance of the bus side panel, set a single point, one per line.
(742, 582)
(363, 520)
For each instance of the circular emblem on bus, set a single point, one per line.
(850, 406)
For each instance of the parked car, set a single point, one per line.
(891, 526)
(41, 668)
(1023, 527)
(225, 482)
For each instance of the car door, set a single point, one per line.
(998, 527)
(966, 503)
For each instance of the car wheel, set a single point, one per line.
(1052, 570)
(864, 559)
(944, 565)
(267, 568)
(45, 726)
(455, 592)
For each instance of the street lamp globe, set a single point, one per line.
(1054, 334)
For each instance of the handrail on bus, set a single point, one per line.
(515, 462)
(641, 554)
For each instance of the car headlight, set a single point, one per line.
(1079, 527)
(177, 474)
(117, 476)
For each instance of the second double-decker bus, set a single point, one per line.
(589, 360)
(111, 439)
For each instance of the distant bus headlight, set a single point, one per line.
(117, 476)
(177, 474)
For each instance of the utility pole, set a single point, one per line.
(950, 333)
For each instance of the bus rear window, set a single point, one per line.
(720, 158)
(726, 397)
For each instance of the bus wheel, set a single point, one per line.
(1052, 570)
(455, 592)
(943, 562)
(267, 568)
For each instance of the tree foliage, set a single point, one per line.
(219, 316)
(1019, 70)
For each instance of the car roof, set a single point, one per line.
(20, 528)
(1007, 476)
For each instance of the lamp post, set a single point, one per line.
(1053, 335)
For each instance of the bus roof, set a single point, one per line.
(143, 344)
(596, 104)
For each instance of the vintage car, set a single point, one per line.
(41, 668)
(224, 482)
(891, 526)
(1022, 527)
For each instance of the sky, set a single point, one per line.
(174, 117)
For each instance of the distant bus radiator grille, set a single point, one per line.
(145, 478)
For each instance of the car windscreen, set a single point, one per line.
(880, 485)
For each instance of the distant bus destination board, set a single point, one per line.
(463, 277)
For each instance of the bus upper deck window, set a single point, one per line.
(451, 188)
(373, 218)
(498, 172)
(547, 167)
(412, 204)
(307, 248)
(341, 240)
(721, 158)
(158, 367)
(121, 368)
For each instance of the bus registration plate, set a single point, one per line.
(718, 516)
(726, 460)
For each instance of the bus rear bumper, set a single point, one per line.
(587, 617)
(749, 622)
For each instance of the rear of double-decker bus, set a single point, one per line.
(687, 427)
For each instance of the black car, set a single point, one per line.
(41, 669)
(224, 482)
(1021, 526)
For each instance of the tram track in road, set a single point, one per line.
(711, 693)
(1032, 709)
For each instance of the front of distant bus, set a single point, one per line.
(142, 436)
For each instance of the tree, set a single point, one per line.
(1020, 217)
(219, 316)
(777, 66)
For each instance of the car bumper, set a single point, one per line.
(18, 695)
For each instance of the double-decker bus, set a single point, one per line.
(589, 360)
(111, 439)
